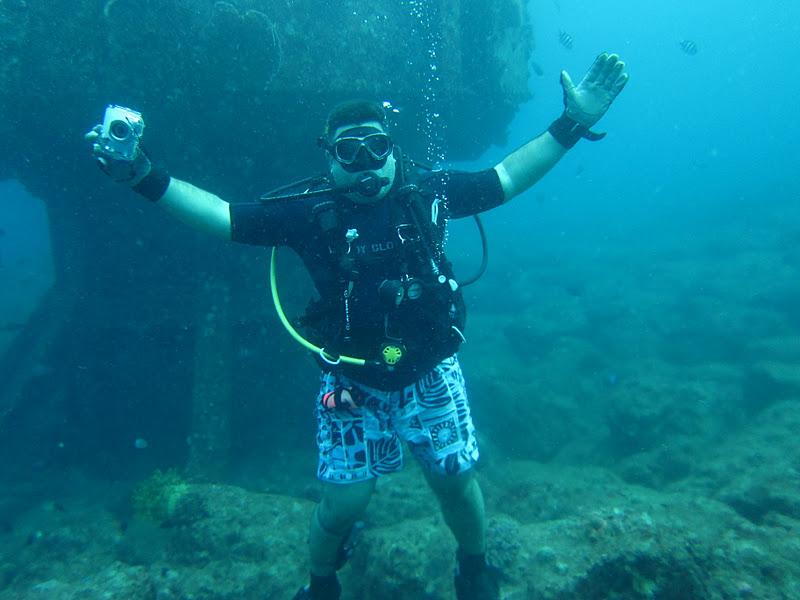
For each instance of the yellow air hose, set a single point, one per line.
(273, 285)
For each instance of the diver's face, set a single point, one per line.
(359, 149)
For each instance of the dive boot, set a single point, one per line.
(320, 588)
(328, 588)
(476, 580)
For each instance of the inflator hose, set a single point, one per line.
(273, 286)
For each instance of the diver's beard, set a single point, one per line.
(384, 176)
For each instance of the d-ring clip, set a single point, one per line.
(324, 357)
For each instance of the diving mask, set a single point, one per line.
(347, 147)
(362, 161)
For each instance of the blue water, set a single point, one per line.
(690, 135)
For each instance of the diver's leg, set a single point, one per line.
(346, 469)
(435, 421)
(461, 502)
(447, 449)
(341, 506)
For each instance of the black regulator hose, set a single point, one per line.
(485, 254)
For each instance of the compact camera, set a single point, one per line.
(121, 133)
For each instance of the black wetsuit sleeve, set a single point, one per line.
(268, 223)
(468, 193)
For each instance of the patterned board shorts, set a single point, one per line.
(432, 416)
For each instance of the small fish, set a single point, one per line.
(565, 39)
(537, 68)
(689, 47)
(140, 443)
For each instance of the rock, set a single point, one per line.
(411, 559)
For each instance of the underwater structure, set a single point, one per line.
(147, 316)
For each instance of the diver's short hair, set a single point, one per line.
(354, 111)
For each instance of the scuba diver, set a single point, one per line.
(389, 319)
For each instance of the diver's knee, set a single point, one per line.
(445, 485)
(343, 504)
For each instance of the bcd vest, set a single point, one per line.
(401, 309)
